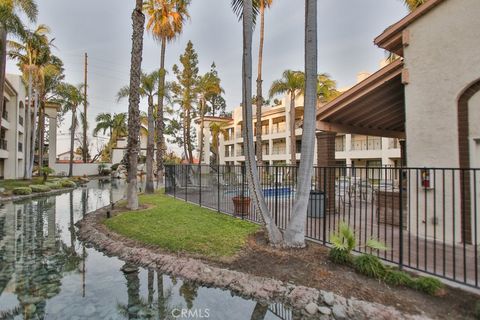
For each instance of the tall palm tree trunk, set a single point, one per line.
(28, 132)
(149, 187)
(202, 127)
(259, 85)
(34, 135)
(274, 234)
(160, 125)
(295, 233)
(72, 141)
(138, 20)
(293, 136)
(41, 131)
(3, 66)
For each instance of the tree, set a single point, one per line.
(255, 189)
(413, 4)
(10, 22)
(292, 83)
(217, 129)
(165, 23)
(216, 102)
(259, 7)
(138, 20)
(116, 124)
(294, 235)
(208, 85)
(71, 98)
(185, 88)
(148, 89)
(326, 88)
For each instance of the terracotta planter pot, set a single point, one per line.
(241, 205)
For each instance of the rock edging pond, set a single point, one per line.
(35, 195)
(313, 303)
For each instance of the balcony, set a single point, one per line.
(20, 120)
(20, 147)
(370, 143)
(394, 144)
(279, 150)
(280, 128)
(240, 153)
(3, 144)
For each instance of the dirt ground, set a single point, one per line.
(311, 267)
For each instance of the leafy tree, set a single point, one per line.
(413, 4)
(165, 23)
(217, 129)
(215, 102)
(185, 89)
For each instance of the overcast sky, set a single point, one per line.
(103, 29)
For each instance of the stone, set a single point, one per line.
(325, 310)
(339, 312)
(311, 308)
(328, 298)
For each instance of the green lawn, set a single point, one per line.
(182, 227)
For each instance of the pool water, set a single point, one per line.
(46, 273)
(281, 192)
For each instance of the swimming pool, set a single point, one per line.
(281, 192)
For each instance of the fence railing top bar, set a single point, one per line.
(333, 167)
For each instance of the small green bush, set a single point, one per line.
(22, 191)
(114, 167)
(54, 185)
(340, 256)
(398, 278)
(369, 265)
(428, 285)
(40, 188)
(68, 184)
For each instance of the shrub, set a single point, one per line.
(398, 278)
(46, 171)
(22, 190)
(340, 256)
(369, 265)
(114, 167)
(103, 169)
(428, 285)
(68, 184)
(40, 188)
(54, 185)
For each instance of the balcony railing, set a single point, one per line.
(279, 129)
(3, 144)
(20, 120)
(240, 153)
(20, 147)
(279, 150)
(394, 144)
(367, 144)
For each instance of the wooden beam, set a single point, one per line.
(342, 128)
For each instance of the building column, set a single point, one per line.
(326, 171)
(206, 144)
(403, 153)
(52, 141)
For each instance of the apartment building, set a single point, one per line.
(12, 135)
(351, 150)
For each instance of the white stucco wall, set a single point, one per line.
(442, 59)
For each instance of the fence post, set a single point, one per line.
(174, 181)
(400, 206)
(200, 182)
(243, 189)
(218, 187)
(276, 195)
(325, 206)
(186, 180)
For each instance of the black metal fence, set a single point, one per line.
(428, 218)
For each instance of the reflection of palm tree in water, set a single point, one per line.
(188, 291)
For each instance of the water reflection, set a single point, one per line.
(46, 273)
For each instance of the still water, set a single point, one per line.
(46, 273)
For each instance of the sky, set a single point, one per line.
(102, 28)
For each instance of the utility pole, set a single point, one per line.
(85, 147)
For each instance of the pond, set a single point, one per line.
(46, 273)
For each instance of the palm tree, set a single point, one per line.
(274, 234)
(413, 4)
(71, 98)
(217, 129)
(116, 125)
(35, 61)
(10, 22)
(138, 19)
(294, 235)
(165, 23)
(326, 88)
(208, 85)
(148, 89)
(259, 7)
(292, 83)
